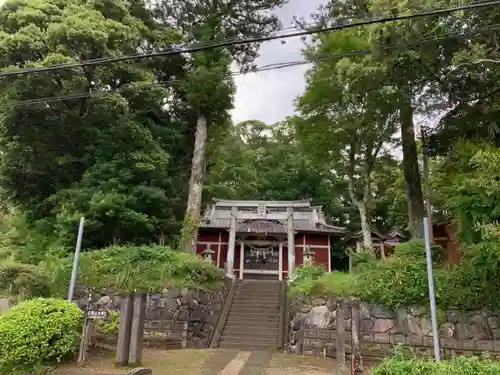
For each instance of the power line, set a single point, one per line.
(264, 68)
(229, 43)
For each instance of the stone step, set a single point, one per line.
(253, 315)
(253, 319)
(247, 339)
(248, 347)
(254, 309)
(257, 294)
(251, 332)
(257, 301)
(254, 302)
(272, 302)
(271, 324)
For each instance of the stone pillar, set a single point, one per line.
(124, 330)
(280, 267)
(137, 331)
(291, 243)
(232, 244)
(356, 359)
(4, 305)
(242, 258)
(340, 326)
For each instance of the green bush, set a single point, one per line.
(475, 282)
(109, 325)
(129, 268)
(401, 280)
(457, 366)
(22, 281)
(36, 333)
(26, 243)
(306, 272)
(415, 249)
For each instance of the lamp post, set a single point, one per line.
(308, 255)
(208, 254)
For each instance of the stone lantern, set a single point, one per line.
(208, 254)
(308, 255)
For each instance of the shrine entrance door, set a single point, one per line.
(261, 261)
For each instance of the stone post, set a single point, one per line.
(291, 243)
(4, 305)
(340, 325)
(232, 244)
(124, 330)
(356, 361)
(137, 331)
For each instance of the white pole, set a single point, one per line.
(432, 295)
(75, 260)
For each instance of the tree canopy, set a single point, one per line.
(138, 146)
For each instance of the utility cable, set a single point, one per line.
(264, 68)
(176, 50)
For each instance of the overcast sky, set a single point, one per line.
(269, 96)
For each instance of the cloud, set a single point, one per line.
(269, 96)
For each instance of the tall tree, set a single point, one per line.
(209, 89)
(408, 58)
(348, 132)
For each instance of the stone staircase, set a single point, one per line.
(254, 317)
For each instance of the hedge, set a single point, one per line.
(37, 333)
(456, 366)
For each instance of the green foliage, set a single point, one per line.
(401, 280)
(362, 258)
(38, 333)
(306, 273)
(109, 325)
(254, 160)
(415, 249)
(458, 365)
(129, 268)
(108, 158)
(23, 281)
(395, 282)
(474, 282)
(473, 193)
(27, 243)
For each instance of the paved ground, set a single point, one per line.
(214, 362)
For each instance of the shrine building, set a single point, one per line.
(265, 239)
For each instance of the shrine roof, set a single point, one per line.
(307, 218)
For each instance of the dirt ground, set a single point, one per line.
(199, 362)
(182, 362)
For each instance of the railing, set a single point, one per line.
(214, 339)
(283, 322)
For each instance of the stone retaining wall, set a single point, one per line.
(313, 329)
(186, 316)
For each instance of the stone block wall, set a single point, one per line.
(313, 329)
(184, 316)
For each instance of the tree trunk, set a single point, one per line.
(193, 209)
(365, 226)
(411, 171)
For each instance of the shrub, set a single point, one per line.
(415, 249)
(337, 284)
(458, 366)
(110, 325)
(23, 281)
(306, 272)
(38, 333)
(129, 268)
